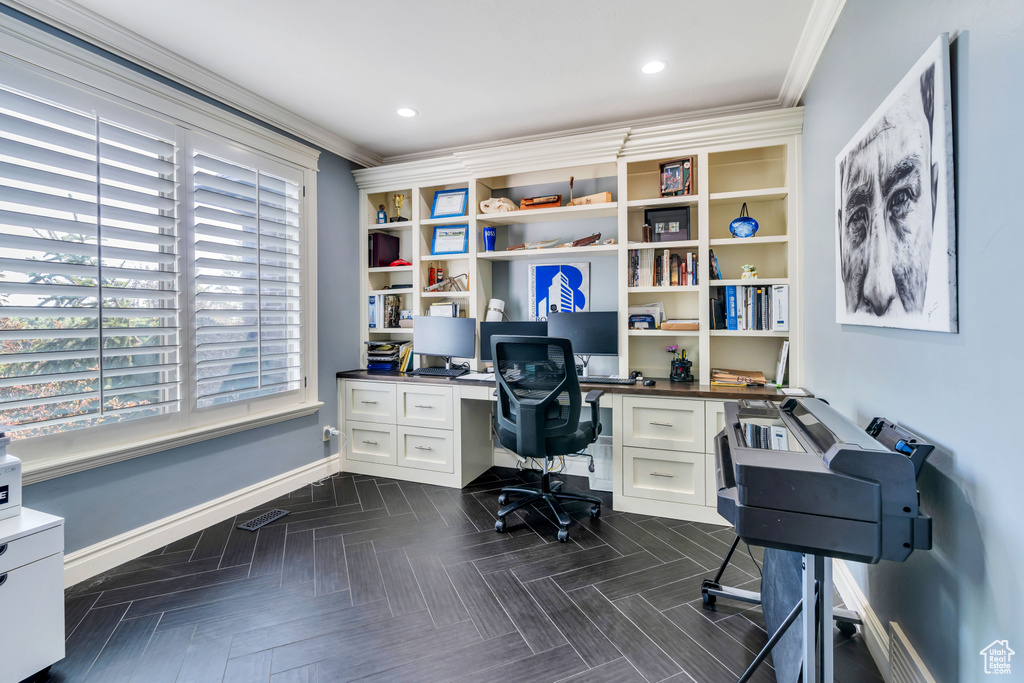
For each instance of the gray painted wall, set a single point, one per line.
(104, 502)
(954, 389)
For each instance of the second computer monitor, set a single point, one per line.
(488, 330)
(445, 337)
(592, 333)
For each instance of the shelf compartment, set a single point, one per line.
(754, 353)
(520, 254)
(747, 170)
(644, 183)
(375, 199)
(561, 213)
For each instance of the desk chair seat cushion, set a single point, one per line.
(555, 445)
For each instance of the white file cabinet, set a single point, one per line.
(31, 594)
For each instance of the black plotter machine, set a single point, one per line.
(838, 492)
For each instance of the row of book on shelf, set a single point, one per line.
(388, 356)
(650, 269)
(385, 310)
(751, 307)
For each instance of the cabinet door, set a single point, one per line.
(711, 492)
(426, 449)
(370, 401)
(29, 548)
(714, 419)
(674, 424)
(32, 627)
(425, 406)
(674, 476)
(369, 442)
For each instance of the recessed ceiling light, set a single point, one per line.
(406, 112)
(653, 67)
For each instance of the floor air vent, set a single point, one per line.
(905, 664)
(263, 520)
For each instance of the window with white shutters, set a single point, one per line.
(247, 282)
(89, 308)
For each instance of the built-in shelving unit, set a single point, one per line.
(751, 158)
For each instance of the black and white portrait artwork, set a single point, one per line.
(895, 220)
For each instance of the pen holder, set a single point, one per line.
(681, 371)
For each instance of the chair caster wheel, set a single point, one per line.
(595, 511)
(563, 535)
(846, 628)
(709, 601)
(502, 499)
(499, 526)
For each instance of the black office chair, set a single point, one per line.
(538, 416)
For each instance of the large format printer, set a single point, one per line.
(836, 491)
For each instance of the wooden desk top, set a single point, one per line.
(664, 386)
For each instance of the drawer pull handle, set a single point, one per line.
(3, 579)
(424, 448)
(662, 474)
(372, 443)
(662, 424)
(3, 549)
(372, 403)
(422, 406)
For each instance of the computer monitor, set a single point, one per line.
(592, 333)
(445, 337)
(529, 329)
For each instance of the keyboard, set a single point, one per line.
(599, 379)
(441, 372)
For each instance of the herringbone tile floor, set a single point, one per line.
(381, 580)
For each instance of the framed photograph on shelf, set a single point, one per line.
(450, 239)
(670, 224)
(450, 203)
(678, 177)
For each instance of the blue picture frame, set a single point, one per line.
(451, 242)
(446, 199)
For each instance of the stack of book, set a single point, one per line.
(737, 378)
(649, 269)
(757, 307)
(388, 356)
(764, 436)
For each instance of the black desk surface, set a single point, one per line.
(663, 388)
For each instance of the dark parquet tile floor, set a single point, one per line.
(380, 580)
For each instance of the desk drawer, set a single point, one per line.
(26, 549)
(369, 442)
(32, 627)
(673, 424)
(370, 401)
(426, 449)
(673, 476)
(714, 422)
(425, 406)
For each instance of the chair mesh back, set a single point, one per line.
(532, 372)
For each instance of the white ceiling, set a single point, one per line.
(478, 70)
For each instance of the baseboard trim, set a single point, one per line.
(875, 635)
(88, 562)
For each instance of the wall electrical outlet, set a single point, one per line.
(329, 432)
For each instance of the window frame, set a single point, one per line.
(52, 68)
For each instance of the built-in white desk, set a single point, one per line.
(438, 431)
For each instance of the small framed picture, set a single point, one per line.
(670, 224)
(448, 203)
(679, 177)
(450, 239)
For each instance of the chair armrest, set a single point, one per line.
(593, 397)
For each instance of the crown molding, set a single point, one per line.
(86, 25)
(540, 155)
(821, 21)
(424, 172)
(669, 139)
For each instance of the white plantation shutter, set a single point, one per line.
(89, 312)
(247, 276)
